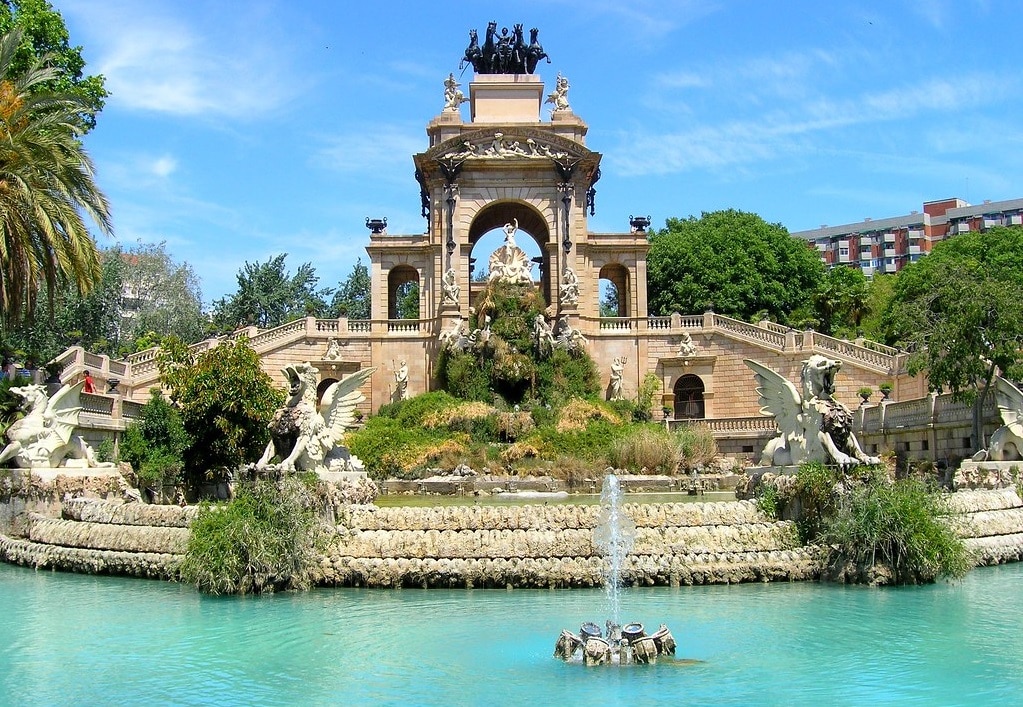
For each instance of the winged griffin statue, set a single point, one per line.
(1007, 441)
(308, 437)
(813, 425)
(45, 437)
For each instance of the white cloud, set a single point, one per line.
(164, 166)
(155, 61)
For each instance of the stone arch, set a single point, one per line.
(618, 276)
(689, 402)
(398, 279)
(532, 222)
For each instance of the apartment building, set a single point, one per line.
(886, 245)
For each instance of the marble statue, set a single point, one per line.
(333, 352)
(401, 383)
(456, 337)
(45, 437)
(543, 335)
(686, 347)
(1006, 443)
(567, 338)
(813, 426)
(569, 288)
(559, 98)
(450, 287)
(509, 263)
(453, 96)
(504, 147)
(307, 436)
(617, 377)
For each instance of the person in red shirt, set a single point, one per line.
(89, 387)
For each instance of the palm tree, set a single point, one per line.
(46, 187)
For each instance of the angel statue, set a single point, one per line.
(308, 437)
(45, 437)
(559, 98)
(814, 427)
(1007, 441)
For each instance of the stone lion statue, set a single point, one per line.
(307, 436)
(813, 425)
(45, 437)
(1007, 441)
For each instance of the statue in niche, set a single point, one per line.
(559, 98)
(569, 288)
(509, 263)
(307, 436)
(450, 287)
(333, 351)
(45, 437)
(401, 383)
(453, 96)
(617, 377)
(686, 347)
(543, 336)
(1006, 443)
(813, 426)
(567, 338)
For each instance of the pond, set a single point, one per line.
(85, 640)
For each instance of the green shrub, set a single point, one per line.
(105, 451)
(390, 448)
(696, 445)
(649, 447)
(815, 493)
(769, 500)
(155, 445)
(899, 526)
(264, 540)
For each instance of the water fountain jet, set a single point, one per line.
(614, 534)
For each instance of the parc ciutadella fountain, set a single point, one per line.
(620, 645)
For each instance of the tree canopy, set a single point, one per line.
(50, 188)
(959, 311)
(44, 35)
(352, 297)
(733, 262)
(269, 296)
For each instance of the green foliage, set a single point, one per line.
(268, 296)
(353, 296)
(566, 375)
(105, 450)
(648, 447)
(407, 304)
(46, 35)
(226, 402)
(900, 526)
(645, 396)
(733, 261)
(389, 447)
(880, 290)
(960, 314)
(10, 404)
(842, 301)
(770, 501)
(156, 444)
(591, 443)
(818, 500)
(264, 540)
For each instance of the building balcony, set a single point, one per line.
(889, 238)
(889, 252)
(914, 250)
(916, 233)
(890, 267)
(962, 227)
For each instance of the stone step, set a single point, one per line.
(151, 565)
(988, 523)
(98, 511)
(994, 550)
(974, 501)
(106, 536)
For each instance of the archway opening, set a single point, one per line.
(689, 403)
(403, 293)
(614, 291)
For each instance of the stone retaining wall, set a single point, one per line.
(496, 546)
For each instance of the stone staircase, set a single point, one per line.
(991, 524)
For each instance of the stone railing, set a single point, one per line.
(753, 332)
(884, 362)
(402, 326)
(360, 326)
(616, 323)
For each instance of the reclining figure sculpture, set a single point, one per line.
(814, 427)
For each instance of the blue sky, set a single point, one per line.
(240, 130)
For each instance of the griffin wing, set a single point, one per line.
(778, 397)
(1010, 404)
(64, 409)
(339, 403)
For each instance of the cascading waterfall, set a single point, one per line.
(614, 534)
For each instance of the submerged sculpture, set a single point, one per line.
(1006, 443)
(308, 437)
(814, 427)
(614, 534)
(45, 437)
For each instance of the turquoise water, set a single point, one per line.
(81, 640)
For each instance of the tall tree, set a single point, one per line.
(736, 263)
(44, 34)
(353, 296)
(46, 185)
(268, 296)
(842, 301)
(960, 313)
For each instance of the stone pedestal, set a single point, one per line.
(506, 98)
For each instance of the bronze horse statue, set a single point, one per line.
(534, 52)
(473, 54)
(503, 53)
